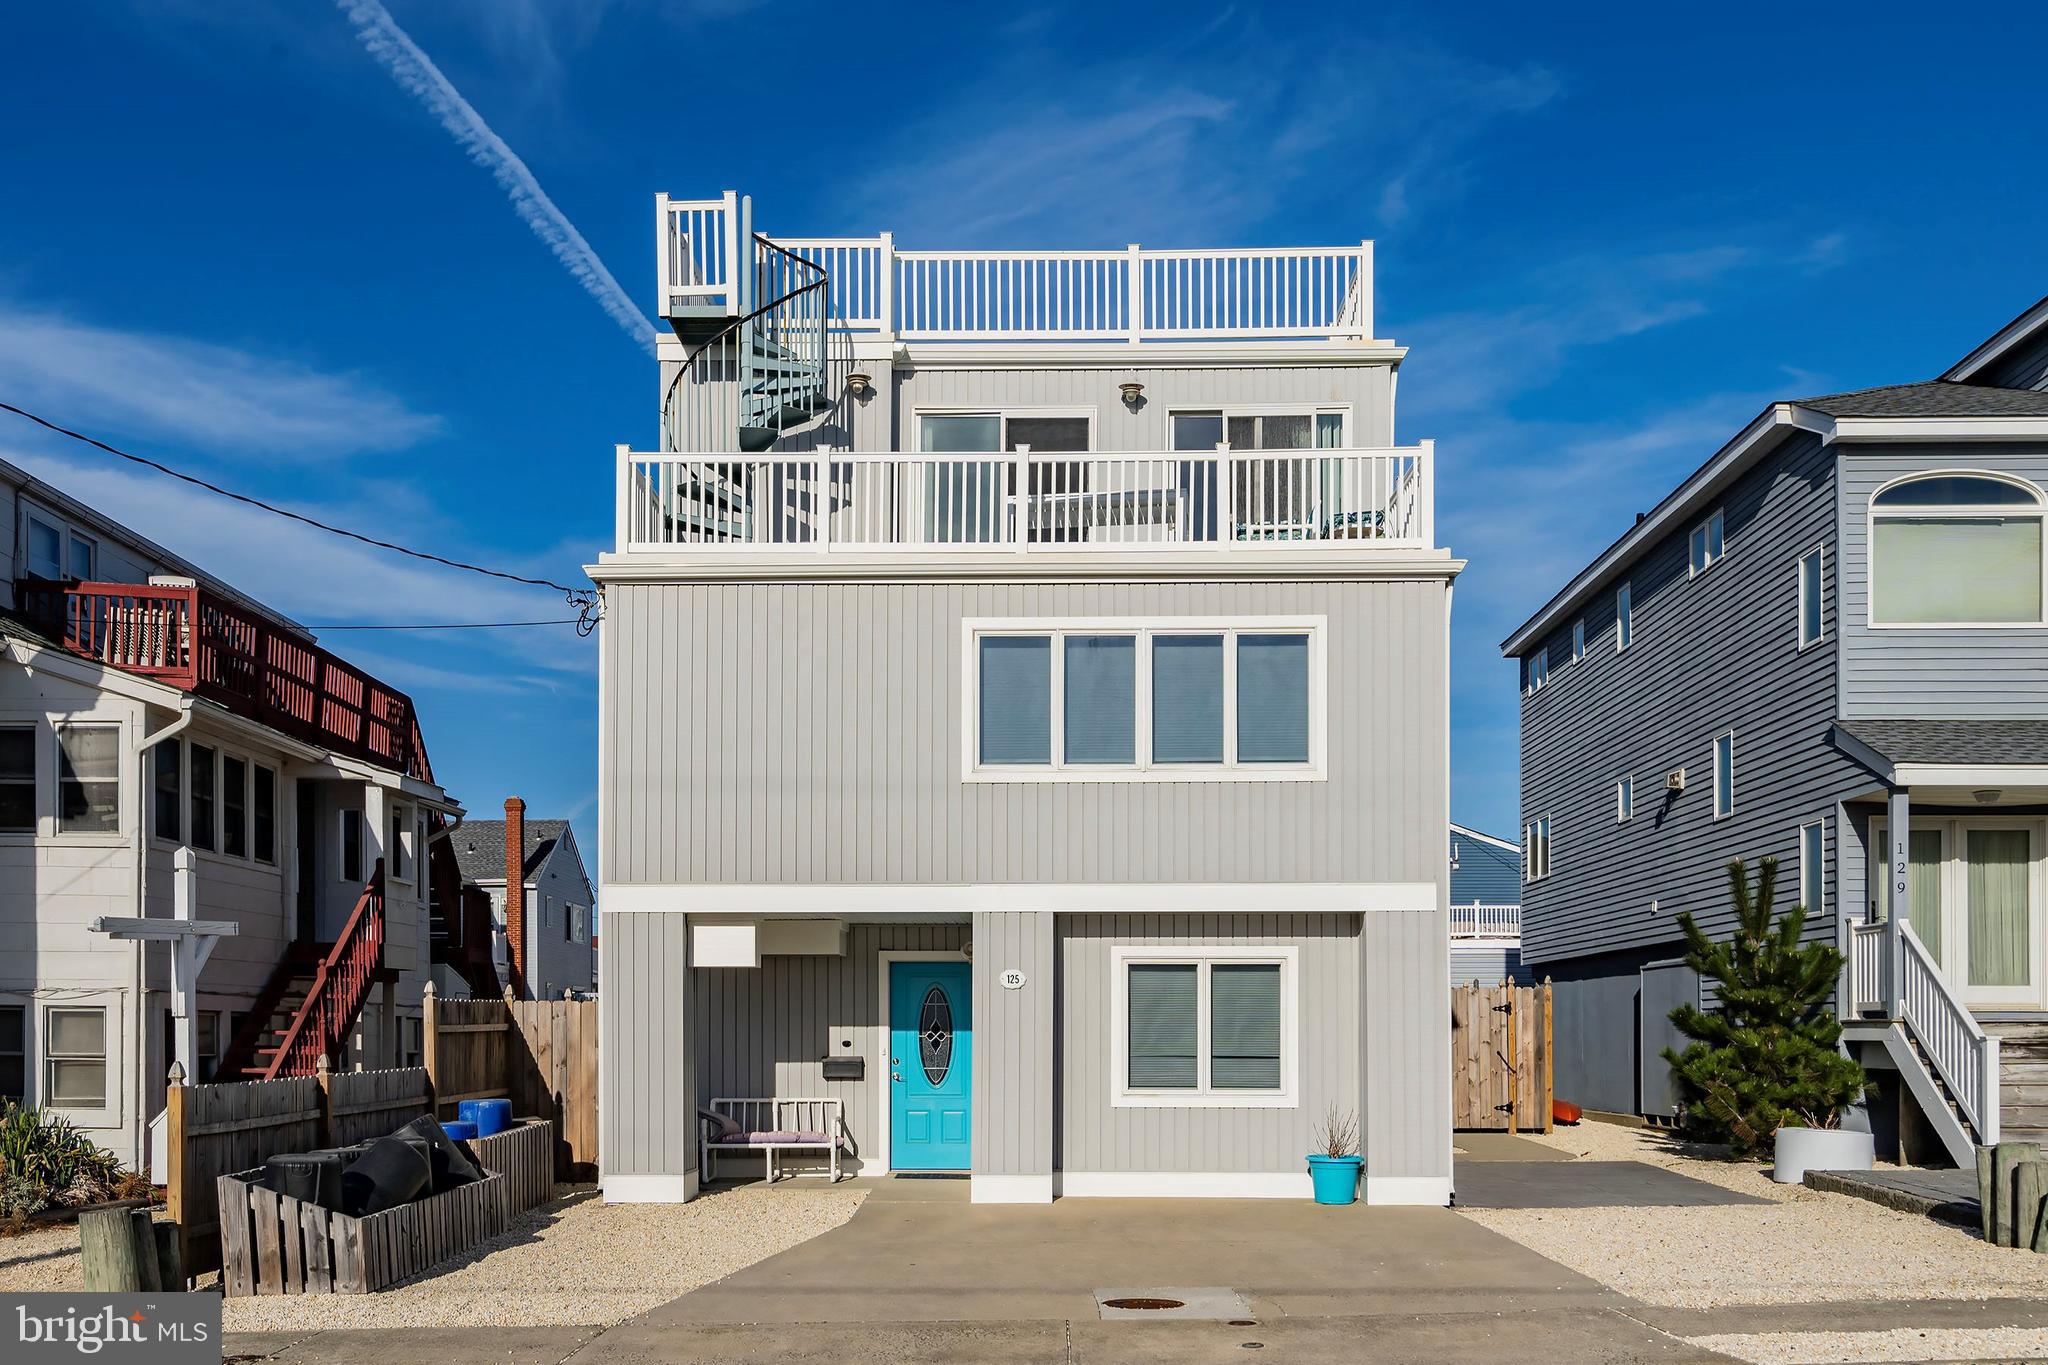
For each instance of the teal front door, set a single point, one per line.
(931, 1052)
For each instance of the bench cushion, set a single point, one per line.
(763, 1139)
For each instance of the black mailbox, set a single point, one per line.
(846, 1068)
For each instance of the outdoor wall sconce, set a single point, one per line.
(858, 383)
(1134, 392)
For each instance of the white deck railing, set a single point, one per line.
(1961, 1053)
(1127, 295)
(1486, 921)
(1025, 500)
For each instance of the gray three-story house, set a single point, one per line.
(1827, 646)
(1024, 737)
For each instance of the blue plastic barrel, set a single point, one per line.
(489, 1116)
(459, 1130)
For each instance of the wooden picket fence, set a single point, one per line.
(1501, 1071)
(274, 1244)
(539, 1054)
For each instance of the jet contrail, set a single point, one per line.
(412, 69)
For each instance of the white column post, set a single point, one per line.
(1898, 831)
(1226, 497)
(885, 284)
(664, 255)
(1365, 284)
(1135, 267)
(185, 964)
(622, 506)
(1425, 495)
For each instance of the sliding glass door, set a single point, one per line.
(1977, 904)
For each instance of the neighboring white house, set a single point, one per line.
(178, 761)
(1023, 721)
(555, 904)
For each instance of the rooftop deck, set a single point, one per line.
(1026, 501)
(217, 649)
(1127, 295)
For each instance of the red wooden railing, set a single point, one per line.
(227, 653)
(341, 985)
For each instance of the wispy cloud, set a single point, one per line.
(200, 392)
(416, 73)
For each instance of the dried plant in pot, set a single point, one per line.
(1333, 1168)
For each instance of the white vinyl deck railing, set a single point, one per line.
(1025, 500)
(1486, 921)
(1127, 295)
(1961, 1053)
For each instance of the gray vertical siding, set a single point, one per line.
(1096, 1136)
(1405, 1023)
(810, 733)
(1013, 1036)
(1709, 654)
(1933, 674)
(646, 1120)
(759, 1031)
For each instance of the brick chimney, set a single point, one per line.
(515, 892)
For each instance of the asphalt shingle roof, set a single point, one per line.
(480, 847)
(1933, 398)
(1953, 741)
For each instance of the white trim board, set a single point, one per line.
(649, 1189)
(814, 900)
(1185, 1184)
(879, 1040)
(1317, 561)
(1009, 1189)
(1432, 1190)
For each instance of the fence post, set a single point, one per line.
(1549, 1065)
(430, 1046)
(323, 1072)
(174, 1156)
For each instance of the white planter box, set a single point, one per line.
(1800, 1150)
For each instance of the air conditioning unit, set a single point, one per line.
(1674, 781)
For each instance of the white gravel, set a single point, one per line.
(1803, 1246)
(573, 1262)
(1905, 1343)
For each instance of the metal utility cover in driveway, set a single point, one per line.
(1206, 1305)
(1584, 1185)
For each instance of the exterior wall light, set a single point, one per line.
(858, 383)
(1988, 796)
(1133, 391)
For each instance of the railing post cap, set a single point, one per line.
(176, 1075)
(324, 1066)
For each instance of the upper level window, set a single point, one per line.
(1624, 618)
(1578, 641)
(1625, 797)
(57, 551)
(351, 860)
(1110, 700)
(1707, 544)
(1810, 598)
(1536, 670)
(17, 779)
(1536, 849)
(1956, 550)
(970, 501)
(1724, 775)
(88, 779)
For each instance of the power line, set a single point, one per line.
(460, 625)
(586, 602)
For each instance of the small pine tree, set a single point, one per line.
(1769, 1056)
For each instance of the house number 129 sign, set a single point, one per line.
(1012, 979)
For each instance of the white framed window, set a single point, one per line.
(263, 814)
(14, 1053)
(1724, 775)
(1536, 670)
(1536, 849)
(167, 790)
(202, 814)
(1810, 588)
(350, 862)
(1813, 868)
(75, 1057)
(1707, 544)
(1578, 641)
(1957, 549)
(1261, 427)
(1203, 1027)
(88, 779)
(57, 550)
(1624, 617)
(1163, 699)
(234, 806)
(17, 779)
(1625, 798)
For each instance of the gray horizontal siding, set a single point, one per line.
(645, 1120)
(1013, 1057)
(1709, 654)
(761, 1031)
(1405, 1017)
(1934, 674)
(810, 733)
(2024, 367)
(1096, 1136)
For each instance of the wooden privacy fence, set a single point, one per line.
(539, 1054)
(1501, 1072)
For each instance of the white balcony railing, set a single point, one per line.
(1127, 295)
(1486, 921)
(1954, 1044)
(1025, 500)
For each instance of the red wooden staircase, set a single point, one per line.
(314, 997)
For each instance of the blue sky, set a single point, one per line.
(230, 238)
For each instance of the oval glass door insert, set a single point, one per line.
(935, 1035)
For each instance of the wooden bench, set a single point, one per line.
(768, 1126)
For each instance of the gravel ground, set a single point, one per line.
(1906, 1343)
(1803, 1247)
(573, 1262)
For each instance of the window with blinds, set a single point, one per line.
(1204, 1026)
(1167, 699)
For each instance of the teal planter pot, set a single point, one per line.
(1335, 1178)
